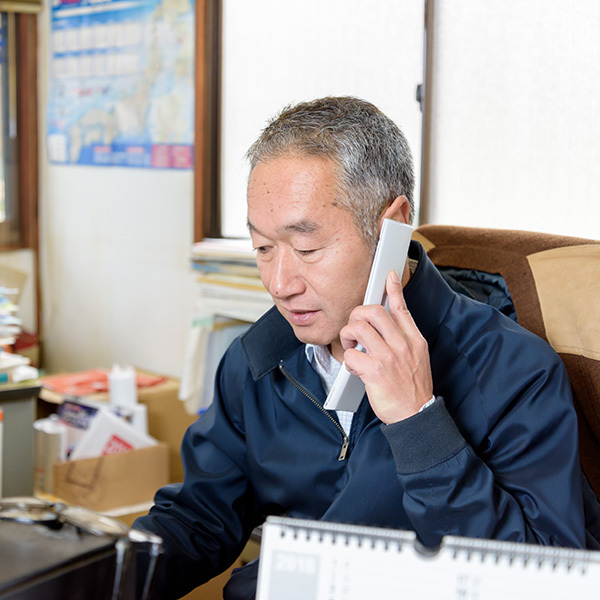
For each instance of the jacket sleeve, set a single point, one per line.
(204, 521)
(522, 481)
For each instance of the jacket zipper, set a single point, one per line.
(346, 441)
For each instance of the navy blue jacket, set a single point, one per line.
(495, 457)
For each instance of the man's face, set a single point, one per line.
(310, 255)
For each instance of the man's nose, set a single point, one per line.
(285, 277)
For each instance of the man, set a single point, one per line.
(467, 427)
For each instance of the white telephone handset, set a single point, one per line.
(348, 390)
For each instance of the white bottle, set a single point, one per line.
(122, 390)
(122, 386)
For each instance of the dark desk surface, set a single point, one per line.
(18, 391)
(35, 559)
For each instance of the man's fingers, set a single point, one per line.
(372, 325)
(393, 287)
(398, 309)
(365, 331)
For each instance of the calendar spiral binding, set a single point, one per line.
(393, 540)
(315, 560)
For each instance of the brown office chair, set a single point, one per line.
(554, 282)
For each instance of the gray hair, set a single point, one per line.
(373, 159)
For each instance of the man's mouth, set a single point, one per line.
(301, 317)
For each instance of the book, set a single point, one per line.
(208, 339)
(10, 324)
(224, 248)
(87, 383)
(10, 361)
(229, 283)
(109, 434)
(77, 418)
(233, 281)
(303, 559)
(226, 267)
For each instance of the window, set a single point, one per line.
(254, 58)
(18, 135)
(18, 127)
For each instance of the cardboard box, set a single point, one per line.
(167, 417)
(167, 420)
(113, 480)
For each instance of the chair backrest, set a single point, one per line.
(554, 282)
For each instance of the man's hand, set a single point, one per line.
(395, 367)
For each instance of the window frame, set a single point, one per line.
(22, 233)
(208, 117)
(207, 216)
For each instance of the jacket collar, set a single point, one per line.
(269, 341)
(428, 297)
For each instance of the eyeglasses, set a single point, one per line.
(56, 514)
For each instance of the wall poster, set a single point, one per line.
(121, 85)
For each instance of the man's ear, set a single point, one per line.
(398, 210)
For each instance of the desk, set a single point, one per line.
(18, 403)
(38, 562)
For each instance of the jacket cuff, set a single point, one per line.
(425, 439)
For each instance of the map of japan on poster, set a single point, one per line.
(121, 85)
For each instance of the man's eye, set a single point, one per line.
(305, 252)
(261, 249)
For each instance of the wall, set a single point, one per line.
(515, 140)
(115, 242)
(114, 261)
(516, 133)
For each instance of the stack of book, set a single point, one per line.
(10, 329)
(10, 324)
(230, 296)
(228, 281)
